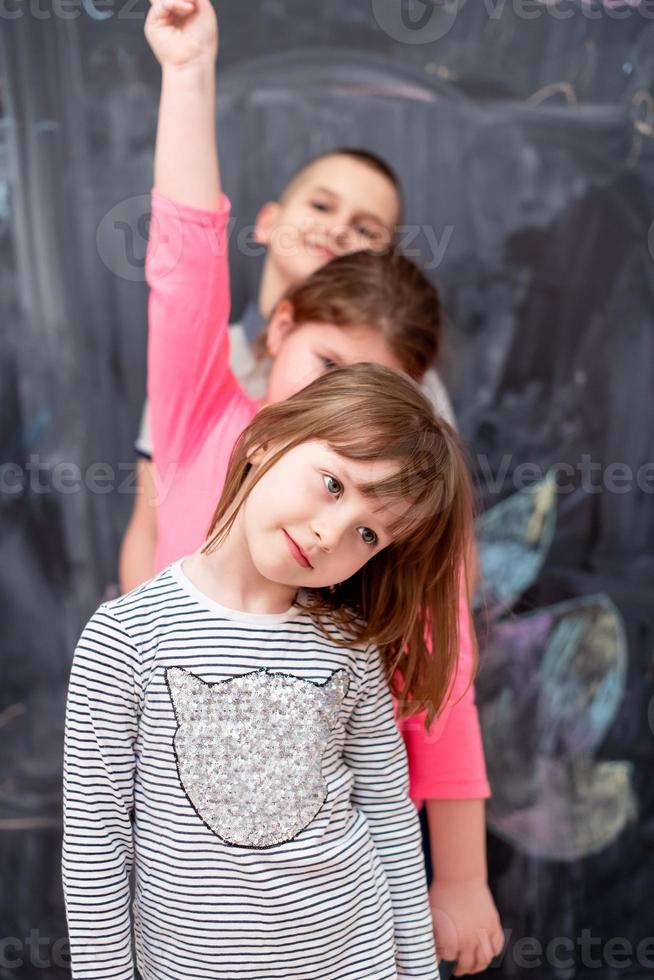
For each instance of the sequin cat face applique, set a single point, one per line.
(249, 750)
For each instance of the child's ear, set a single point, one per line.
(265, 222)
(256, 455)
(279, 326)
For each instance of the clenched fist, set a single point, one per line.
(182, 33)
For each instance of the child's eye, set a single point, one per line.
(369, 233)
(367, 536)
(327, 363)
(319, 206)
(334, 487)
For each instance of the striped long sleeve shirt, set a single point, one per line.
(248, 771)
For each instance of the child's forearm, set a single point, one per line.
(457, 838)
(186, 167)
(466, 923)
(139, 545)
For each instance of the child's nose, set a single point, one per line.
(343, 238)
(327, 533)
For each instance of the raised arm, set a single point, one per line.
(183, 35)
(99, 770)
(375, 754)
(190, 383)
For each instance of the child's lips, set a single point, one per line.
(322, 250)
(297, 552)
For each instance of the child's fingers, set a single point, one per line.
(484, 951)
(474, 957)
(172, 5)
(465, 958)
(464, 965)
(497, 940)
(165, 9)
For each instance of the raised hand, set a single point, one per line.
(182, 33)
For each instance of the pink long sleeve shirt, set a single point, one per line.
(198, 410)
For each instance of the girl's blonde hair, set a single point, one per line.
(406, 599)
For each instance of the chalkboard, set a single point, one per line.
(524, 145)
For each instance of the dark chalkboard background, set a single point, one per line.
(524, 142)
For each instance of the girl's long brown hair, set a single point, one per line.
(385, 292)
(406, 599)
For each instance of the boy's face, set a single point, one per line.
(335, 206)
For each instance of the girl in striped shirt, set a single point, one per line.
(359, 307)
(230, 730)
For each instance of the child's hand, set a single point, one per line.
(466, 924)
(182, 32)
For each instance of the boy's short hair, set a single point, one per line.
(366, 157)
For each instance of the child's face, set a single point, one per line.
(300, 354)
(305, 522)
(337, 205)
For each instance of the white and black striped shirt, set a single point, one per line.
(251, 772)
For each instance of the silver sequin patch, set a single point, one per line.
(249, 750)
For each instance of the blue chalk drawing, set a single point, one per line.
(550, 686)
